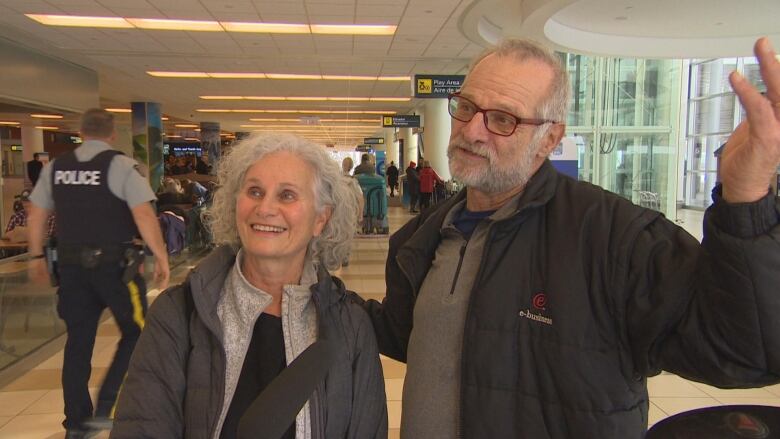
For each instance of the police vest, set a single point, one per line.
(87, 212)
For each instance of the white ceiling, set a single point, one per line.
(630, 28)
(433, 37)
(427, 41)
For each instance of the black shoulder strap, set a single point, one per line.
(275, 409)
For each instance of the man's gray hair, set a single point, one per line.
(332, 247)
(97, 123)
(555, 105)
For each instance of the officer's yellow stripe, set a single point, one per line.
(135, 299)
(112, 415)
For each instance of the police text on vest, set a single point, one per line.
(77, 177)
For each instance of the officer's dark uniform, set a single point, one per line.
(94, 229)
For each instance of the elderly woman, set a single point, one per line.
(285, 216)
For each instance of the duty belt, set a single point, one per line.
(91, 256)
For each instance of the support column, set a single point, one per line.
(32, 142)
(436, 135)
(392, 147)
(211, 143)
(147, 140)
(410, 146)
(124, 139)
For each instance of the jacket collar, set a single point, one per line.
(207, 279)
(423, 243)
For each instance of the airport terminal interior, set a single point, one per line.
(651, 108)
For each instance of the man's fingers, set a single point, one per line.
(759, 110)
(770, 68)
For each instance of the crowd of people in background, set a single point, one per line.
(186, 164)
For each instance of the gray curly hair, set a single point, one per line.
(332, 247)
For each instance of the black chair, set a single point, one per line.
(721, 422)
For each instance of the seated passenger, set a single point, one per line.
(16, 230)
(284, 216)
(193, 191)
(171, 192)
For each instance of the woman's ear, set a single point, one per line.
(321, 219)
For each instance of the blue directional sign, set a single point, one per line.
(401, 121)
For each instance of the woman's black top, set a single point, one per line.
(265, 359)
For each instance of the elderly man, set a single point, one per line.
(535, 306)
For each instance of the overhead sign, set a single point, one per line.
(402, 121)
(437, 86)
(363, 148)
(374, 140)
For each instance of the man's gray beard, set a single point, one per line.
(495, 178)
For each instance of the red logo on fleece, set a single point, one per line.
(540, 301)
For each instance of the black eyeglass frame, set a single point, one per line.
(518, 120)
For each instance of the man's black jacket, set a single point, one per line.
(582, 295)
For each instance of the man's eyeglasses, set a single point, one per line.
(496, 121)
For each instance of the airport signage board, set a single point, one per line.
(374, 140)
(437, 86)
(401, 121)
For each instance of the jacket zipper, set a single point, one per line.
(462, 416)
(457, 270)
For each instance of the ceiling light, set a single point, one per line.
(119, 110)
(353, 29)
(348, 98)
(313, 127)
(264, 98)
(167, 24)
(186, 125)
(80, 21)
(349, 78)
(241, 110)
(46, 116)
(270, 28)
(173, 136)
(320, 120)
(9, 123)
(192, 139)
(178, 74)
(291, 76)
(390, 99)
(237, 75)
(222, 97)
(213, 26)
(305, 98)
(47, 128)
(164, 118)
(260, 75)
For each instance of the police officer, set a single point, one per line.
(102, 204)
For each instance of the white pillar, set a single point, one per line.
(410, 146)
(32, 141)
(436, 135)
(124, 139)
(391, 146)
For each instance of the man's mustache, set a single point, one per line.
(481, 151)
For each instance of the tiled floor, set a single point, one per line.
(31, 407)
